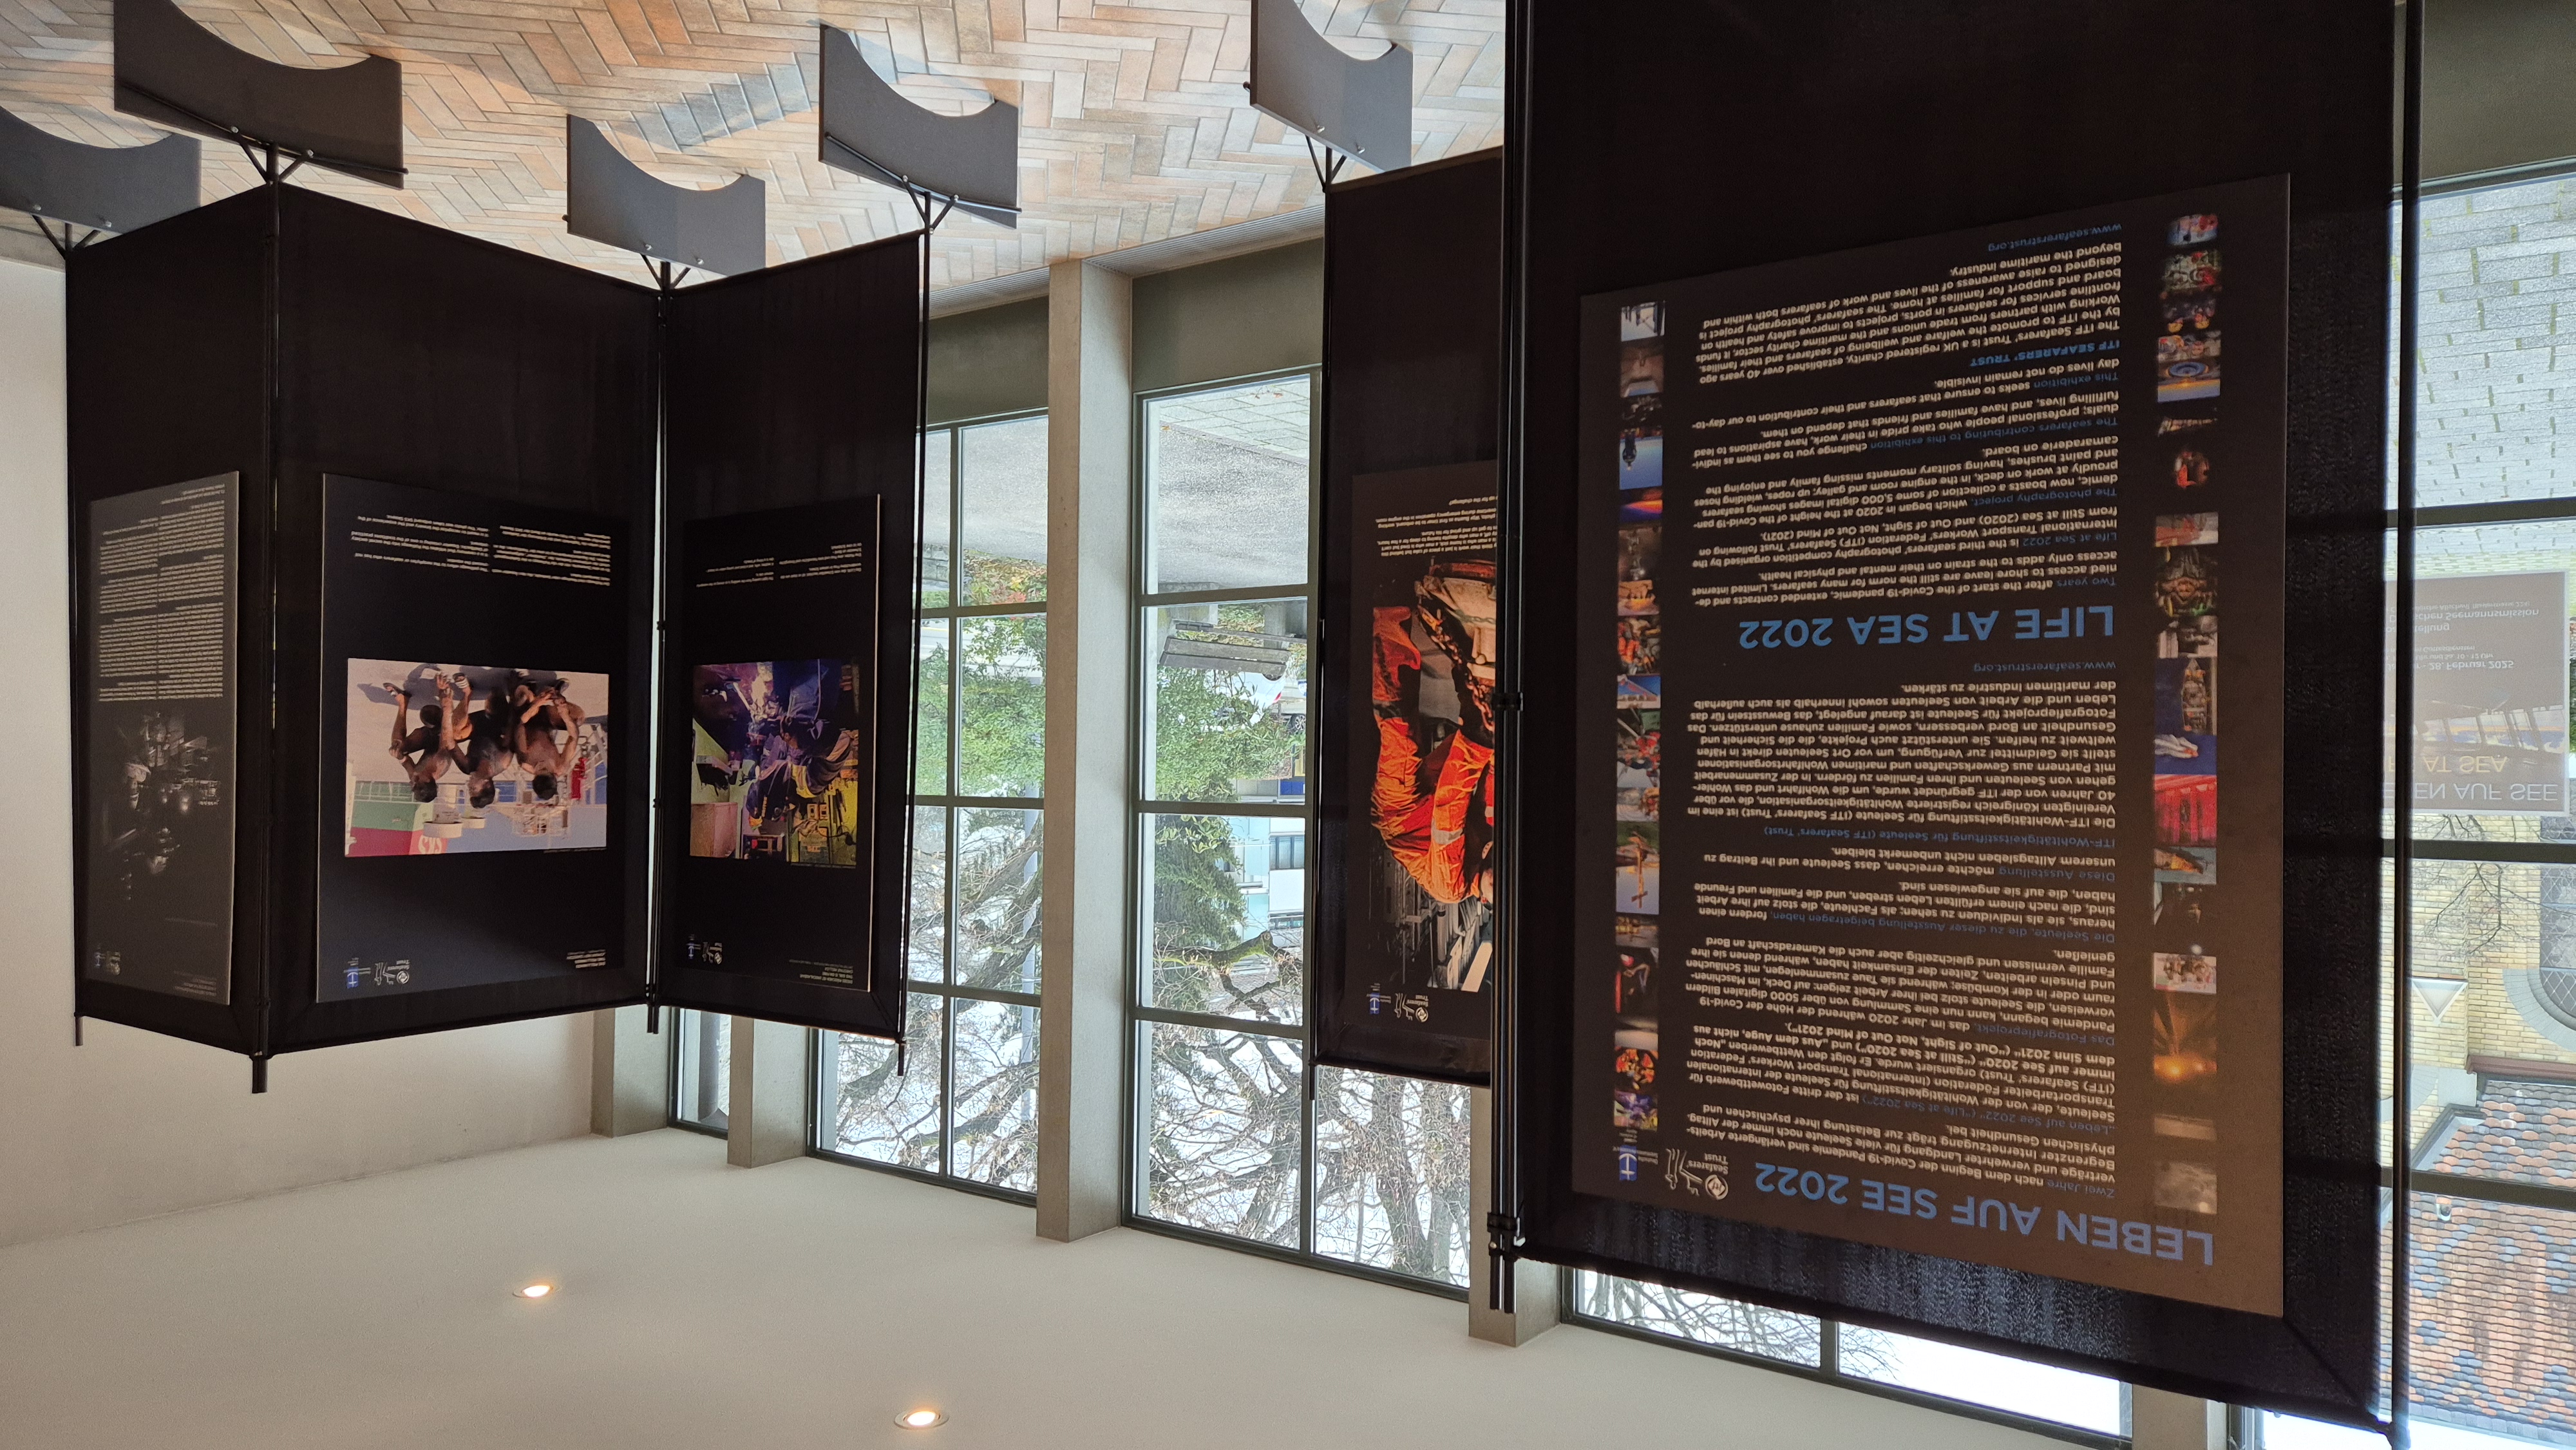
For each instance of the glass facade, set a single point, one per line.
(1361, 1170)
(960, 1101)
(701, 1069)
(2489, 1090)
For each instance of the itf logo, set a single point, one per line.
(1627, 1154)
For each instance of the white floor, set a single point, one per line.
(799, 1305)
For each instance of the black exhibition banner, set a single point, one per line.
(471, 652)
(780, 640)
(1417, 873)
(160, 738)
(165, 391)
(786, 696)
(1918, 920)
(1854, 126)
(1402, 962)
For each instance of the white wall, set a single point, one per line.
(135, 1124)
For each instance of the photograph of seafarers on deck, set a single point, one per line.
(1425, 874)
(779, 751)
(446, 758)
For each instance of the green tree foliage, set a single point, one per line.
(1209, 732)
(1001, 706)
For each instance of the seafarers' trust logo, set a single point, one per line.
(1703, 1174)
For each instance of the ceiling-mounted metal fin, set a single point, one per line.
(111, 188)
(1361, 108)
(171, 70)
(869, 128)
(611, 199)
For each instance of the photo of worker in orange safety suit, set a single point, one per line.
(1431, 685)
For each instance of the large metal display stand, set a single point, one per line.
(439, 458)
(1858, 126)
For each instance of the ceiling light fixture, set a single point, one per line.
(534, 1291)
(923, 1419)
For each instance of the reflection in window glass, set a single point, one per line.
(1001, 716)
(2495, 376)
(928, 957)
(995, 1132)
(1227, 934)
(1223, 1129)
(1228, 685)
(2494, 978)
(999, 889)
(934, 521)
(1227, 479)
(1002, 497)
(1728, 1324)
(2518, 722)
(2288, 1432)
(1391, 1173)
(1994, 1380)
(702, 1089)
(883, 1116)
(2494, 1333)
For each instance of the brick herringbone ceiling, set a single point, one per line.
(1133, 125)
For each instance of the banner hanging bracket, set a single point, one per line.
(1328, 162)
(1503, 1248)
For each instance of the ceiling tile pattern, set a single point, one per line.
(1133, 122)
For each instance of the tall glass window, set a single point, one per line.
(701, 1070)
(2489, 1099)
(963, 1105)
(1363, 1170)
(1867, 1359)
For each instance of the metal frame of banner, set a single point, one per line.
(97, 189)
(157, 32)
(1341, 103)
(1503, 1229)
(610, 199)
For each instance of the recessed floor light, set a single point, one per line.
(921, 1419)
(534, 1291)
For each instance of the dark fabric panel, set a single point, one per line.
(800, 385)
(165, 369)
(413, 355)
(1671, 141)
(1412, 360)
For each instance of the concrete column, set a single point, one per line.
(765, 1113)
(2162, 1421)
(1082, 971)
(1534, 1308)
(630, 1074)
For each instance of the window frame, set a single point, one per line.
(1140, 1015)
(822, 1058)
(1828, 1371)
(676, 1043)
